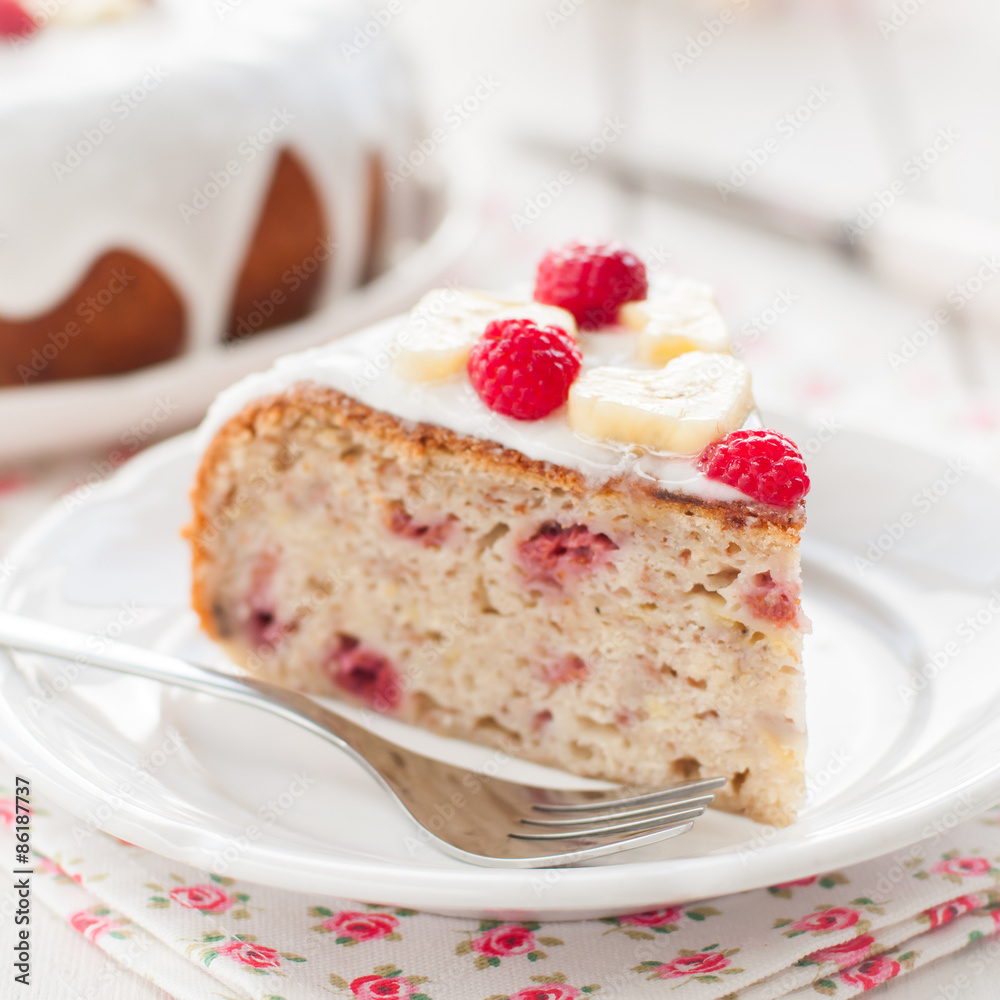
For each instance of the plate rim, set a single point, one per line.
(440, 889)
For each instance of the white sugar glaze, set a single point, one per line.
(200, 84)
(360, 366)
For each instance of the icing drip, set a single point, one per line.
(360, 365)
(159, 133)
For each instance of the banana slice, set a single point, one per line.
(696, 399)
(443, 326)
(685, 319)
(78, 13)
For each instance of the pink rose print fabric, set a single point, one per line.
(551, 987)
(845, 955)
(206, 898)
(549, 991)
(962, 867)
(653, 918)
(93, 923)
(196, 933)
(493, 941)
(386, 982)
(255, 955)
(871, 972)
(703, 966)
(834, 919)
(362, 926)
(209, 897)
(508, 939)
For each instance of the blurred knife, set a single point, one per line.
(945, 259)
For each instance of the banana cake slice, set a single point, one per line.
(550, 525)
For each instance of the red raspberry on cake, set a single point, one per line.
(759, 462)
(591, 280)
(15, 21)
(523, 370)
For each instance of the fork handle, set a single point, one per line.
(28, 634)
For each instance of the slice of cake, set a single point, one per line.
(528, 524)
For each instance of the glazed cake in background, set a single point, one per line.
(174, 178)
(487, 521)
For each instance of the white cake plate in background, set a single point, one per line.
(897, 749)
(64, 416)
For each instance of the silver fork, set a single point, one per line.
(480, 819)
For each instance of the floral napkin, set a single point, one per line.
(174, 932)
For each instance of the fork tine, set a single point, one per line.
(486, 832)
(576, 819)
(649, 823)
(599, 801)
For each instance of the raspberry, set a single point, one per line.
(555, 554)
(761, 463)
(591, 280)
(15, 21)
(772, 602)
(364, 673)
(432, 534)
(569, 670)
(523, 370)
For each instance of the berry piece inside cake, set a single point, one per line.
(519, 523)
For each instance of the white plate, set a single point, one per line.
(893, 755)
(60, 417)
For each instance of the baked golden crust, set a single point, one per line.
(326, 406)
(678, 650)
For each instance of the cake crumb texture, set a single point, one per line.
(616, 631)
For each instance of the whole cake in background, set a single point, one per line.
(181, 173)
(555, 525)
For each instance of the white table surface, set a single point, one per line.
(827, 359)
